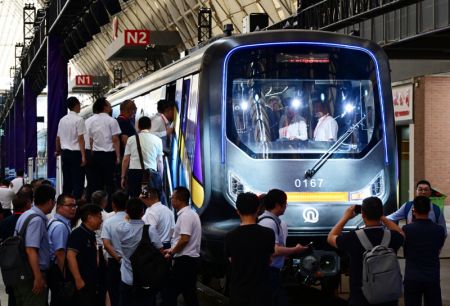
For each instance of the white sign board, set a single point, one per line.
(402, 96)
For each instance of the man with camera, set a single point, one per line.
(375, 222)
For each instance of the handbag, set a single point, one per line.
(145, 172)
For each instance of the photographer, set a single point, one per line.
(372, 214)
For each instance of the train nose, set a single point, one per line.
(316, 217)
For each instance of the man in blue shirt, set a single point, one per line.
(130, 234)
(423, 188)
(34, 292)
(423, 242)
(275, 203)
(112, 245)
(59, 229)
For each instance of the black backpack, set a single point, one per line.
(13, 258)
(150, 268)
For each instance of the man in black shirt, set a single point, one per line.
(82, 256)
(249, 249)
(423, 242)
(126, 124)
(372, 214)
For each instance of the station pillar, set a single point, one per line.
(57, 96)
(30, 114)
(19, 144)
(11, 159)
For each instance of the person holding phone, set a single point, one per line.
(375, 221)
(275, 203)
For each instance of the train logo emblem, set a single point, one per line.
(310, 215)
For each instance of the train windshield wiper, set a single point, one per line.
(324, 158)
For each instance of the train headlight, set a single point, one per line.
(376, 188)
(236, 186)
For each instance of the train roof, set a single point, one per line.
(193, 62)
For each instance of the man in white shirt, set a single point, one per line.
(158, 215)
(70, 144)
(18, 182)
(89, 174)
(151, 150)
(162, 122)
(104, 134)
(185, 249)
(326, 128)
(6, 197)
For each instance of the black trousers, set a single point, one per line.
(103, 165)
(134, 180)
(87, 296)
(73, 173)
(184, 280)
(415, 290)
(279, 297)
(113, 281)
(89, 174)
(132, 296)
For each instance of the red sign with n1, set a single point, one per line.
(83, 80)
(137, 37)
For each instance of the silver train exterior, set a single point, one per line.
(232, 97)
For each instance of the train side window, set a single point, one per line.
(191, 116)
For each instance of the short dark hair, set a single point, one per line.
(422, 205)
(274, 197)
(183, 194)
(72, 102)
(43, 194)
(99, 105)
(26, 192)
(62, 198)
(89, 210)
(20, 172)
(247, 203)
(46, 182)
(372, 208)
(119, 199)
(150, 192)
(423, 182)
(163, 105)
(125, 105)
(98, 196)
(135, 208)
(19, 203)
(5, 182)
(144, 123)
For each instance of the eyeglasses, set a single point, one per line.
(71, 206)
(423, 189)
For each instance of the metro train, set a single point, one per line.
(233, 97)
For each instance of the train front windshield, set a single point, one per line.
(297, 101)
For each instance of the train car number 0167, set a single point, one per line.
(312, 183)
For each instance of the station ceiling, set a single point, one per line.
(174, 15)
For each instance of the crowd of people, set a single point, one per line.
(87, 236)
(74, 244)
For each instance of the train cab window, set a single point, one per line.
(299, 104)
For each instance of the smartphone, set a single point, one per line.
(357, 209)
